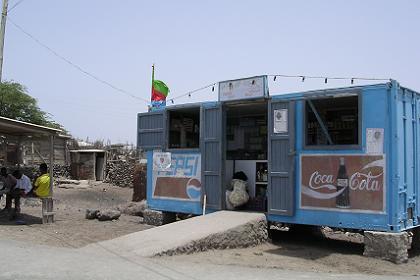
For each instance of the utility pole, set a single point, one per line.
(2, 32)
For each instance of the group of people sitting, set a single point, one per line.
(17, 185)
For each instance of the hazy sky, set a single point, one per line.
(194, 43)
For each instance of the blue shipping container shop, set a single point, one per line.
(345, 157)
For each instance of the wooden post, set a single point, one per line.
(32, 152)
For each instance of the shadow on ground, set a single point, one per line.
(23, 218)
(311, 246)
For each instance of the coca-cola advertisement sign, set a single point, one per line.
(343, 182)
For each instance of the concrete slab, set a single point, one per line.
(219, 230)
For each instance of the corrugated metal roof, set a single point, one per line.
(15, 127)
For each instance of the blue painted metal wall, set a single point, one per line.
(407, 160)
(170, 205)
(387, 106)
(396, 111)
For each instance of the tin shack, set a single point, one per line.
(344, 157)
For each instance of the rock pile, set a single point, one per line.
(102, 215)
(119, 173)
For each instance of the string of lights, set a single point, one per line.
(303, 78)
(325, 78)
(189, 93)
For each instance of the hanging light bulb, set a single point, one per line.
(303, 79)
(352, 80)
(212, 88)
(326, 80)
(275, 77)
(189, 95)
(172, 101)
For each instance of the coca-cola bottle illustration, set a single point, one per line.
(343, 200)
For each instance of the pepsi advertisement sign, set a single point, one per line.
(179, 180)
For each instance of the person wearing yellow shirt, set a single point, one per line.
(42, 183)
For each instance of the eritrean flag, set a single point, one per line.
(159, 90)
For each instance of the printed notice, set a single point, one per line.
(161, 161)
(280, 121)
(374, 141)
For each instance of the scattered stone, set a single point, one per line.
(135, 208)
(91, 214)
(387, 246)
(108, 215)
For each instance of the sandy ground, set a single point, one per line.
(71, 229)
(297, 252)
(309, 253)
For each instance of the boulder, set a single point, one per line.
(108, 215)
(158, 218)
(135, 208)
(91, 214)
(387, 246)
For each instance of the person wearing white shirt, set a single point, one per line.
(22, 188)
(22, 182)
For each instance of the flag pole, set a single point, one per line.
(153, 75)
(151, 91)
(153, 72)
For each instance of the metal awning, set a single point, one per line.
(15, 128)
(19, 128)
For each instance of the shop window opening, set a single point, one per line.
(184, 128)
(332, 121)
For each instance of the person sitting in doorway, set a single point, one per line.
(42, 182)
(9, 183)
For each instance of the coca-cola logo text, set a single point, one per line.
(359, 181)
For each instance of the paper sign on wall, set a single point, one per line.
(161, 161)
(280, 121)
(374, 141)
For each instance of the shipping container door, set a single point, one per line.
(151, 130)
(281, 157)
(211, 154)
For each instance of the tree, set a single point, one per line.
(17, 104)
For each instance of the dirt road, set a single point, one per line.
(71, 229)
(295, 252)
